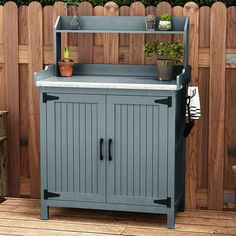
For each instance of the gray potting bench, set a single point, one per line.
(112, 135)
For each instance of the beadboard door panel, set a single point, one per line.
(137, 169)
(75, 125)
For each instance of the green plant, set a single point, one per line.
(165, 50)
(66, 55)
(165, 17)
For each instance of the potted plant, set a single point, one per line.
(165, 22)
(66, 65)
(150, 21)
(167, 53)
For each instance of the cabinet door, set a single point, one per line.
(137, 171)
(75, 125)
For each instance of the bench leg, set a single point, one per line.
(44, 212)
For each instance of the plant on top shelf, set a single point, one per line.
(74, 23)
(66, 65)
(165, 22)
(167, 54)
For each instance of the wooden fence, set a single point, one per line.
(26, 39)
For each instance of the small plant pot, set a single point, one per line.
(165, 25)
(164, 69)
(66, 68)
(150, 25)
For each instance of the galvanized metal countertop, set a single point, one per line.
(111, 77)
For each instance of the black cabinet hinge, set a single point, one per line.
(166, 101)
(166, 201)
(47, 194)
(47, 97)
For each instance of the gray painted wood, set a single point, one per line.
(144, 153)
(120, 24)
(128, 126)
(70, 127)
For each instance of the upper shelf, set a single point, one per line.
(117, 24)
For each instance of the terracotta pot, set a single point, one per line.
(66, 68)
(164, 69)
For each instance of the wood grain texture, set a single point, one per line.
(136, 41)
(203, 127)
(85, 41)
(230, 106)
(24, 94)
(24, 120)
(21, 217)
(216, 106)
(35, 64)
(204, 27)
(124, 38)
(48, 26)
(191, 10)
(98, 38)
(12, 88)
(111, 41)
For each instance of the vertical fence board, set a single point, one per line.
(98, 52)
(191, 10)
(35, 64)
(24, 96)
(230, 106)
(85, 41)
(204, 42)
(111, 41)
(124, 40)
(204, 27)
(48, 26)
(48, 34)
(12, 88)
(98, 11)
(136, 40)
(216, 106)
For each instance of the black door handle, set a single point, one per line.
(109, 149)
(101, 142)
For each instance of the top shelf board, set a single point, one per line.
(117, 24)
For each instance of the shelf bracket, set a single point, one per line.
(165, 201)
(47, 97)
(166, 101)
(47, 194)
